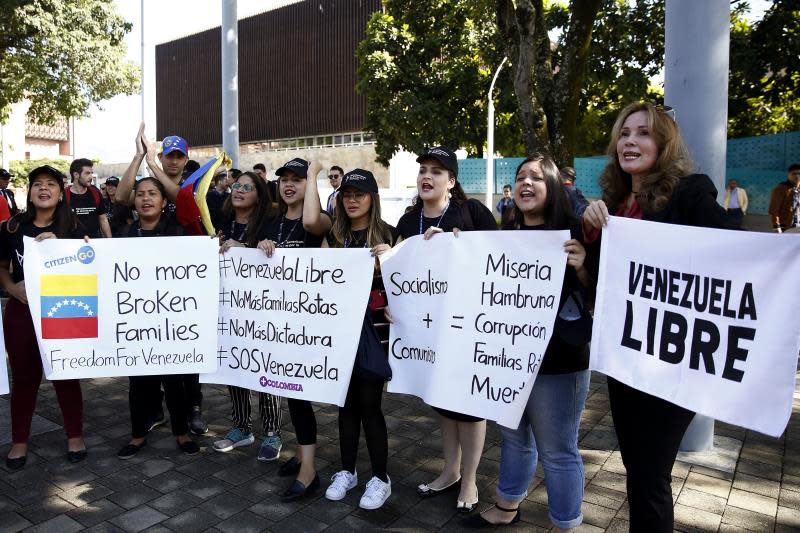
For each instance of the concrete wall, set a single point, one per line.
(347, 157)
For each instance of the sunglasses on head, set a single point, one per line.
(667, 110)
(244, 187)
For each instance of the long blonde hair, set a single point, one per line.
(378, 231)
(673, 161)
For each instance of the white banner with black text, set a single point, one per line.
(473, 315)
(290, 324)
(123, 307)
(703, 318)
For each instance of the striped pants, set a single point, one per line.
(268, 405)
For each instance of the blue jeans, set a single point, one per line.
(549, 427)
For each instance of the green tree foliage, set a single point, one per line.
(426, 83)
(425, 68)
(63, 56)
(764, 86)
(21, 169)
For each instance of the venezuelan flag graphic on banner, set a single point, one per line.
(69, 306)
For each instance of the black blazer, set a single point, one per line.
(694, 203)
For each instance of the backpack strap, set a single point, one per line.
(98, 200)
(95, 195)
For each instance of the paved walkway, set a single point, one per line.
(751, 482)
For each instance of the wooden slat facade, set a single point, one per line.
(280, 53)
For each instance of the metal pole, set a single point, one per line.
(490, 142)
(696, 86)
(141, 66)
(230, 81)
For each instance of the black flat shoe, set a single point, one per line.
(466, 508)
(189, 447)
(425, 491)
(299, 491)
(477, 521)
(129, 450)
(76, 457)
(289, 468)
(17, 463)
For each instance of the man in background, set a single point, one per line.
(86, 200)
(335, 179)
(735, 202)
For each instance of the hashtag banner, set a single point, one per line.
(124, 307)
(290, 324)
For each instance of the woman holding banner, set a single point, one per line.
(300, 223)
(144, 393)
(440, 206)
(46, 217)
(552, 417)
(358, 224)
(649, 176)
(243, 214)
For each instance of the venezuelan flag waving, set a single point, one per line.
(191, 208)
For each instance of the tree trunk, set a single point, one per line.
(518, 28)
(569, 80)
(547, 96)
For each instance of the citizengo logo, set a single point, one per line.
(84, 255)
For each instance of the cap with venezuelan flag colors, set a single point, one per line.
(69, 306)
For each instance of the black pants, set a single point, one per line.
(303, 420)
(194, 392)
(649, 431)
(363, 406)
(144, 397)
(737, 215)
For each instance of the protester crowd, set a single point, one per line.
(649, 176)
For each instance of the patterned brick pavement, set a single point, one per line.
(751, 482)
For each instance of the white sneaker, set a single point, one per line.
(341, 482)
(376, 494)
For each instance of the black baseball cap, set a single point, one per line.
(50, 171)
(4, 174)
(113, 180)
(444, 156)
(360, 179)
(296, 165)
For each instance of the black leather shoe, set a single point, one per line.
(289, 468)
(477, 521)
(299, 491)
(425, 491)
(129, 450)
(17, 463)
(76, 457)
(189, 447)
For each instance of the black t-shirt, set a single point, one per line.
(166, 227)
(215, 200)
(471, 216)
(288, 233)
(118, 217)
(88, 211)
(12, 247)
(233, 230)
(561, 357)
(171, 207)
